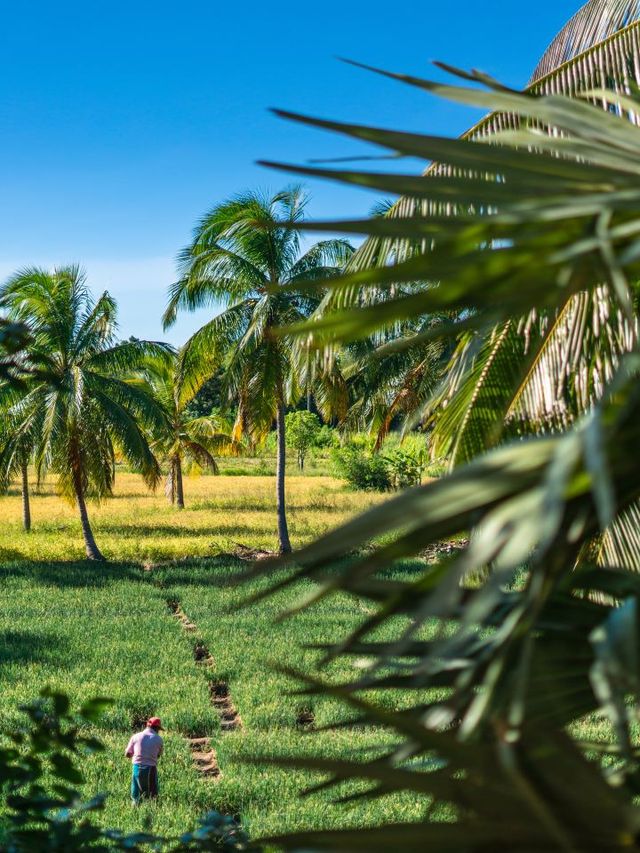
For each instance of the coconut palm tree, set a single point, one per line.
(184, 436)
(520, 633)
(79, 411)
(246, 257)
(499, 379)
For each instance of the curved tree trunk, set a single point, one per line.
(177, 484)
(26, 507)
(93, 552)
(283, 531)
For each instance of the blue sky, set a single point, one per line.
(123, 122)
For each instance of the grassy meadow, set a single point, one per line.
(139, 526)
(107, 630)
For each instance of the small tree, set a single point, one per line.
(302, 430)
(183, 434)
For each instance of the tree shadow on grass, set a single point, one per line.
(218, 570)
(29, 647)
(72, 573)
(143, 531)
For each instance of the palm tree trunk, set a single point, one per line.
(26, 508)
(178, 482)
(170, 485)
(283, 531)
(93, 552)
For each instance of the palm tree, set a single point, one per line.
(520, 634)
(79, 411)
(245, 256)
(184, 436)
(499, 379)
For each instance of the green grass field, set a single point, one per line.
(107, 630)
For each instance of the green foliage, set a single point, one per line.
(327, 438)
(79, 411)
(406, 469)
(368, 472)
(398, 468)
(14, 338)
(182, 437)
(39, 776)
(246, 255)
(209, 398)
(302, 431)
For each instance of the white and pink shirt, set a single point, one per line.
(145, 748)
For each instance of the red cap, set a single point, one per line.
(155, 723)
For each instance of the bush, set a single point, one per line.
(327, 438)
(406, 468)
(363, 471)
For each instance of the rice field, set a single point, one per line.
(108, 630)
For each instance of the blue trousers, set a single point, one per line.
(144, 783)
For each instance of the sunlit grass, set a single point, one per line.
(136, 525)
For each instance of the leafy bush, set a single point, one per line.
(364, 471)
(405, 468)
(327, 438)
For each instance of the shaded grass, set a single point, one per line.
(104, 632)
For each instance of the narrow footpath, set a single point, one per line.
(203, 755)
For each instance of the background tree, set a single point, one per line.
(303, 429)
(80, 409)
(183, 436)
(246, 257)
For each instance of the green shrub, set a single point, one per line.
(406, 468)
(327, 438)
(363, 471)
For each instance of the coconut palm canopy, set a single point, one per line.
(545, 368)
(73, 416)
(536, 221)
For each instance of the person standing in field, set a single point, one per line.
(144, 750)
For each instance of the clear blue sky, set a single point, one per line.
(123, 122)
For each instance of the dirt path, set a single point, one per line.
(202, 753)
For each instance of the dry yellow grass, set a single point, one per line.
(136, 525)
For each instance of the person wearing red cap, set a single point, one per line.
(144, 750)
